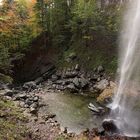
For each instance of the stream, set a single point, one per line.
(72, 111)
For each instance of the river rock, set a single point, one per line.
(54, 77)
(10, 93)
(72, 88)
(35, 99)
(33, 110)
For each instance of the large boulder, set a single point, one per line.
(110, 126)
(107, 93)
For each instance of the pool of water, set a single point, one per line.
(72, 111)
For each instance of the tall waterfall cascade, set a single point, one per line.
(125, 109)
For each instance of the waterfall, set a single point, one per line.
(126, 103)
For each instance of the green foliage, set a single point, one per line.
(68, 24)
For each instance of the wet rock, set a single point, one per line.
(93, 108)
(110, 126)
(97, 110)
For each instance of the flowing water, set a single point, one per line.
(126, 104)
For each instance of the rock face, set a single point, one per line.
(75, 80)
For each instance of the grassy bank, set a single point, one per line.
(11, 121)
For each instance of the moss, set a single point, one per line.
(5, 78)
(11, 121)
(90, 57)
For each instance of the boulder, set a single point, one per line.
(54, 77)
(77, 67)
(28, 102)
(70, 74)
(72, 88)
(35, 99)
(10, 93)
(29, 85)
(101, 85)
(109, 125)
(106, 96)
(76, 82)
(21, 96)
(84, 82)
(33, 110)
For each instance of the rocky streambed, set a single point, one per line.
(57, 108)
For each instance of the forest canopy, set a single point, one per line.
(63, 22)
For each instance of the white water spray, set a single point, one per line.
(126, 104)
